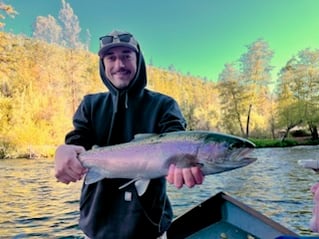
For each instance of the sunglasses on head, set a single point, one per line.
(109, 39)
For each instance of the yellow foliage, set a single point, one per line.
(42, 85)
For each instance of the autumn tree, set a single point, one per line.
(65, 31)
(232, 97)
(47, 29)
(71, 27)
(71, 40)
(6, 9)
(10, 86)
(256, 78)
(36, 106)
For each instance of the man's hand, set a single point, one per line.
(67, 167)
(188, 176)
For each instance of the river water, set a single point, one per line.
(34, 205)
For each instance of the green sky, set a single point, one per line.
(198, 37)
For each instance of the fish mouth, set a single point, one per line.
(220, 166)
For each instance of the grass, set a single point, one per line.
(264, 143)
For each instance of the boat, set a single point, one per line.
(224, 217)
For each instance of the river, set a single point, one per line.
(34, 205)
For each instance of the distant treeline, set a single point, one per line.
(41, 85)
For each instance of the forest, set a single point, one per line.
(44, 77)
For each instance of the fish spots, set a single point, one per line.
(183, 160)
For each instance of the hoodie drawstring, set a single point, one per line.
(126, 100)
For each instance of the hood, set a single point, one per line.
(136, 86)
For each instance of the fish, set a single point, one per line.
(309, 163)
(314, 221)
(314, 189)
(149, 156)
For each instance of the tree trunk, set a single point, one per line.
(273, 127)
(248, 120)
(289, 127)
(314, 131)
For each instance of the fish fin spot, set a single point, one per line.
(183, 160)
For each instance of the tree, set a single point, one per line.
(256, 76)
(65, 32)
(47, 29)
(299, 90)
(288, 112)
(8, 10)
(71, 27)
(232, 97)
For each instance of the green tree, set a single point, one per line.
(288, 112)
(299, 91)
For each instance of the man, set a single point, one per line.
(115, 117)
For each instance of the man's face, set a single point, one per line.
(120, 66)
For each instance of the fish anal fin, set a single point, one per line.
(141, 186)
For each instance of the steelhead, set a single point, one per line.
(149, 156)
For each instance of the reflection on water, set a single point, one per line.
(34, 205)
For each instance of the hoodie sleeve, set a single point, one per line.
(172, 118)
(80, 135)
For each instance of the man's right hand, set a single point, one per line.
(67, 166)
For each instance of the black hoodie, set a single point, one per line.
(115, 117)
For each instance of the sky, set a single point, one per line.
(196, 37)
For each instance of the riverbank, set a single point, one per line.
(28, 152)
(289, 142)
(47, 151)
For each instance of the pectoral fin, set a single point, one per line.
(94, 175)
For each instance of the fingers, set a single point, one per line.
(178, 177)
(192, 176)
(197, 174)
(66, 178)
(67, 167)
(175, 176)
(70, 173)
(188, 176)
(170, 174)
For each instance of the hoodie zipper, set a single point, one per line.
(116, 105)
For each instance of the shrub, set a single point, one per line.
(263, 143)
(299, 133)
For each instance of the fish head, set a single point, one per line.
(221, 152)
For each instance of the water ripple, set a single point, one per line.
(34, 205)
